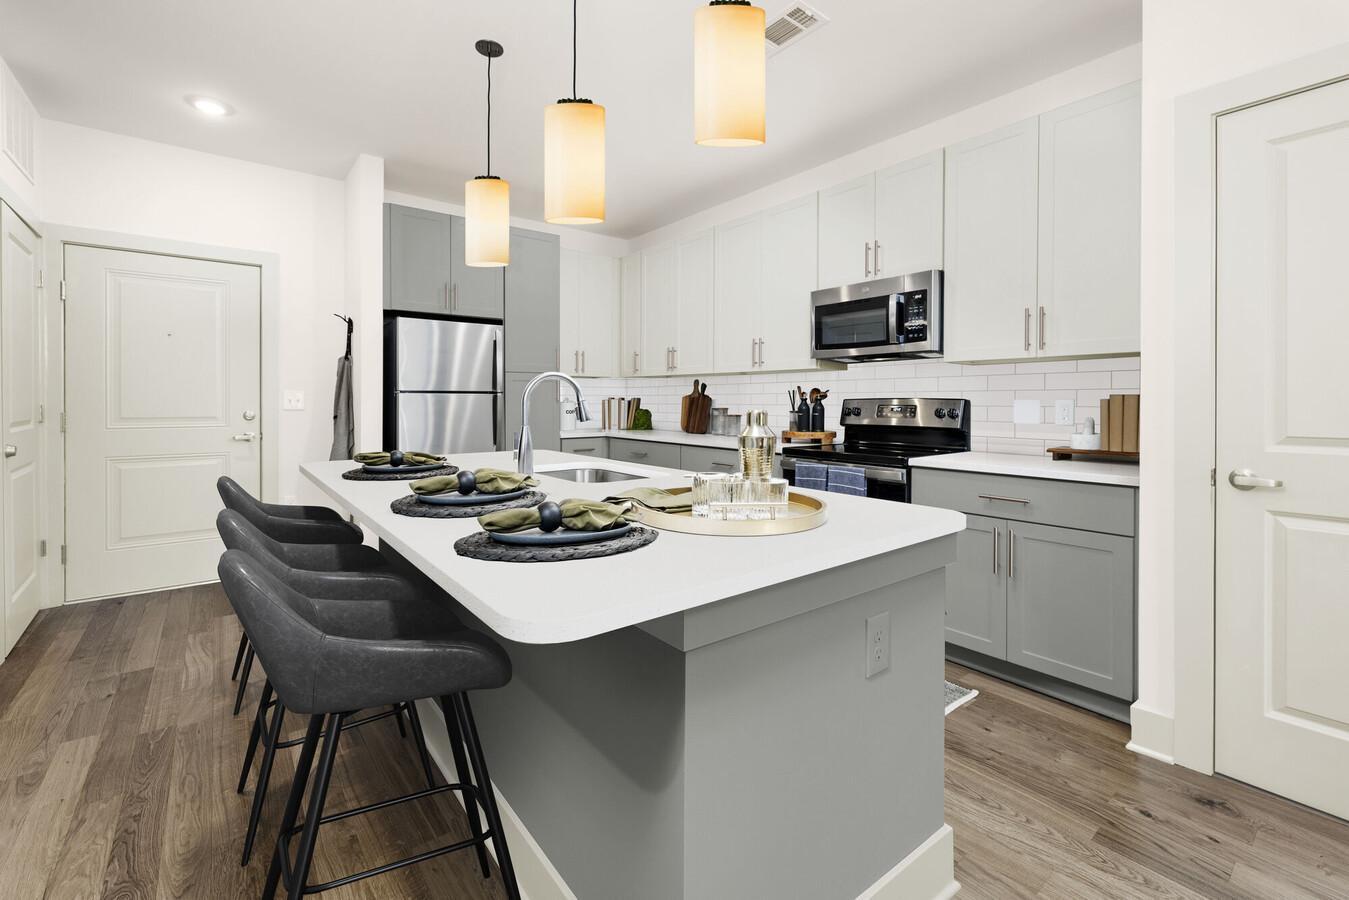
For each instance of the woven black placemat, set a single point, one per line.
(480, 545)
(411, 506)
(360, 474)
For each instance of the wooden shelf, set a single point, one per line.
(809, 437)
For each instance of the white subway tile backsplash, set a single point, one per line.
(1109, 364)
(1017, 382)
(1077, 381)
(1032, 368)
(1124, 381)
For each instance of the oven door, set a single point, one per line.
(883, 482)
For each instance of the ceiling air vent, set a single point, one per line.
(792, 25)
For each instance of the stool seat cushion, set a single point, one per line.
(288, 523)
(240, 533)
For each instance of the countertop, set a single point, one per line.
(661, 436)
(544, 603)
(1026, 466)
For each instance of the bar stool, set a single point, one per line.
(289, 524)
(327, 660)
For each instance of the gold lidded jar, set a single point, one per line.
(757, 445)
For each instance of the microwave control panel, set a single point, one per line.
(911, 317)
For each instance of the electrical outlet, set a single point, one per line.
(292, 400)
(878, 644)
(1064, 412)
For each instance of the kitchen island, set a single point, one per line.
(693, 719)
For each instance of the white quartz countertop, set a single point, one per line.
(543, 603)
(661, 436)
(1026, 466)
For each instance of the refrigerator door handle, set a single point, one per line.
(496, 366)
(496, 421)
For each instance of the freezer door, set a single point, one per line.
(449, 423)
(436, 355)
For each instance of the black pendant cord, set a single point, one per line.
(573, 48)
(489, 117)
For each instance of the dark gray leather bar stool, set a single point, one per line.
(286, 523)
(327, 660)
(374, 582)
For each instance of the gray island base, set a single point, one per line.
(732, 749)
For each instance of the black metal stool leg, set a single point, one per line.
(239, 656)
(255, 735)
(317, 796)
(297, 786)
(264, 776)
(488, 796)
(420, 738)
(243, 680)
(465, 776)
(398, 715)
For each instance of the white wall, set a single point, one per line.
(1187, 45)
(365, 294)
(94, 179)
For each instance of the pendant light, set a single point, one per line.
(573, 154)
(487, 198)
(729, 74)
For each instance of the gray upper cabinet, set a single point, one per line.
(976, 589)
(417, 271)
(474, 291)
(1070, 606)
(533, 301)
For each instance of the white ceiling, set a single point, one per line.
(317, 81)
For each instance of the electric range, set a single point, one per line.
(881, 435)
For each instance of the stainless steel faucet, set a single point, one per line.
(524, 448)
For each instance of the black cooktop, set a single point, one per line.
(870, 455)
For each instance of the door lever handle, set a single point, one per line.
(1246, 480)
(246, 436)
(11, 450)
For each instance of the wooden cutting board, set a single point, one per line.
(700, 411)
(686, 404)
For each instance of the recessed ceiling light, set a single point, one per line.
(209, 106)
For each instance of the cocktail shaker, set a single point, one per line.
(757, 445)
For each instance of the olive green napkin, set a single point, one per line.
(658, 499)
(489, 481)
(577, 515)
(410, 458)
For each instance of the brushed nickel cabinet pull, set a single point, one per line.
(1011, 553)
(1003, 499)
(1026, 329)
(1042, 328)
(995, 549)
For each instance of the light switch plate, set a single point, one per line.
(1026, 412)
(292, 400)
(1064, 412)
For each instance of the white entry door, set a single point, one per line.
(162, 398)
(1282, 580)
(20, 417)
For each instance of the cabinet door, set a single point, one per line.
(991, 245)
(1070, 605)
(660, 310)
(1089, 225)
(477, 291)
(532, 302)
(597, 326)
(630, 315)
(738, 291)
(790, 251)
(545, 412)
(569, 310)
(697, 274)
(976, 588)
(846, 229)
(909, 216)
(417, 267)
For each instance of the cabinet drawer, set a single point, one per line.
(648, 453)
(1072, 504)
(596, 446)
(708, 459)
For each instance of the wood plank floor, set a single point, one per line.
(118, 758)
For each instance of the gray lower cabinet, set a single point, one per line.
(597, 447)
(708, 459)
(533, 301)
(1070, 605)
(649, 453)
(417, 271)
(976, 588)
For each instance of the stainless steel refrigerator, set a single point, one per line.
(442, 385)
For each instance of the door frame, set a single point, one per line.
(1194, 425)
(56, 239)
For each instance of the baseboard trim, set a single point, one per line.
(1152, 734)
(928, 873)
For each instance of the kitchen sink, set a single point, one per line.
(592, 476)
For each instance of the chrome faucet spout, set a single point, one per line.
(524, 447)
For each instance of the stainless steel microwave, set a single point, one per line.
(889, 318)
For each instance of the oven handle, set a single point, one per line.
(887, 476)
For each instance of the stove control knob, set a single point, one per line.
(953, 413)
(941, 413)
(855, 411)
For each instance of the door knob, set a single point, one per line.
(1246, 480)
(249, 415)
(246, 436)
(11, 450)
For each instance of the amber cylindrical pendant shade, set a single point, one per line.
(573, 166)
(487, 222)
(729, 66)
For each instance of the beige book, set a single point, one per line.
(1131, 423)
(1103, 423)
(1116, 437)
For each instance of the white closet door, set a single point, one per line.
(909, 216)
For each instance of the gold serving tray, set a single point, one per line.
(803, 514)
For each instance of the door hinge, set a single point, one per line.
(63, 554)
(41, 413)
(42, 547)
(1212, 477)
(40, 278)
(63, 290)
(63, 422)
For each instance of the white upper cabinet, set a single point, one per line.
(909, 217)
(738, 294)
(589, 314)
(1089, 226)
(991, 220)
(630, 315)
(696, 280)
(847, 228)
(660, 311)
(569, 338)
(789, 275)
